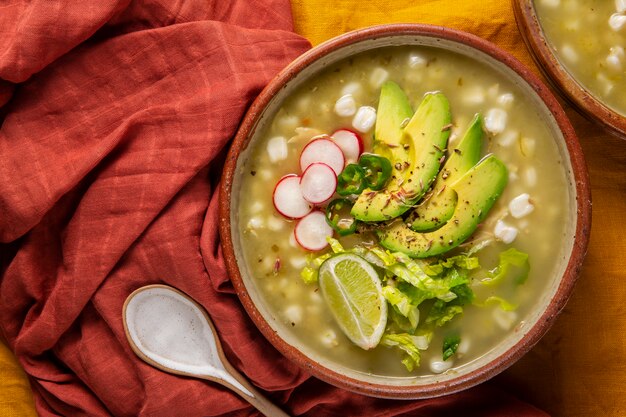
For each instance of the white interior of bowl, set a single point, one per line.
(563, 251)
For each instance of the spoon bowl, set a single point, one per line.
(171, 332)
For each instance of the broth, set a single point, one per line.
(588, 47)
(525, 146)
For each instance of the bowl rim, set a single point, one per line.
(574, 263)
(575, 93)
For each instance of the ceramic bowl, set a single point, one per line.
(585, 101)
(560, 286)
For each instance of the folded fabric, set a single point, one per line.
(111, 149)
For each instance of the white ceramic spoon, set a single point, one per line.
(170, 331)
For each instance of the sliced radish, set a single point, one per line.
(325, 151)
(350, 143)
(318, 183)
(288, 199)
(312, 230)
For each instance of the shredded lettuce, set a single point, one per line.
(401, 303)
(449, 287)
(416, 295)
(406, 343)
(441, 313)
(450, 344)
(422, 338)
(397, 322)
(444, 284)
(454, 278)
(309, 275)
(464, 294)
(335, 246)
(368, 255)
(501, 302)
(432, 270)
(463, 261)
(410, 271)
(309, 272)
(385, 256)
(478, 246)
(410, 345)
(430, 287)
(318, 261)
(514, 264)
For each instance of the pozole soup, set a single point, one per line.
(403, 211)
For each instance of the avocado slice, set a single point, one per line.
(477, 190)
(424, 139)
(437, 208)
(393, 109)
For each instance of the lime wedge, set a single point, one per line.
(352, 290)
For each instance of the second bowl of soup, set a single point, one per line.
(579, 44)
(404, 211)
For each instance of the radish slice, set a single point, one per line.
(288, 199)
(325, 151)
(318, 183)
(311, 231)
(350, 143)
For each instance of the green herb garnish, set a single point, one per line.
(450, 344)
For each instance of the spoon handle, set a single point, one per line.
(257, 400)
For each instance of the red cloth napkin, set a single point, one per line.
(117, 115)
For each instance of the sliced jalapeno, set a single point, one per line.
(351, 180)
(339, 218)
(377, 170)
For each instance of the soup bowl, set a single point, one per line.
(561, 73)
(568, 248)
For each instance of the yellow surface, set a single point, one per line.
(319, 20)
(579, 368)
(16, 399)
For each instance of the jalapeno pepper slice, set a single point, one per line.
(377, 170)
(351, 180)
(339, 218)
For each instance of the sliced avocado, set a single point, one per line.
(437, 208)
(394, 109)
(477, 190)
(425, 138)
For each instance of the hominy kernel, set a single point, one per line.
(345, 106)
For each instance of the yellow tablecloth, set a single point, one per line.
(579, 368)
(16, 399)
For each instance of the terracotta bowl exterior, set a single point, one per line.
(575, 93)
(549, 304)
